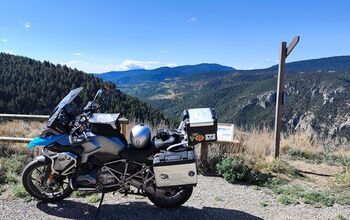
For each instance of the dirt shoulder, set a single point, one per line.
(213, 198)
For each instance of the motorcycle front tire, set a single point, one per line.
(27, 181)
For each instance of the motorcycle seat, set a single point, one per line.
(140, 155)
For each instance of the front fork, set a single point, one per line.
(51, 176)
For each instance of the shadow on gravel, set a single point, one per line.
(137, 210)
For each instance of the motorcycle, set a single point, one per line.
(87, 152)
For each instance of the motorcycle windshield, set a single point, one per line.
(66, 100)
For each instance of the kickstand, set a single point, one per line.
(100, 204)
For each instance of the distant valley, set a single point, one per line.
(318, 94)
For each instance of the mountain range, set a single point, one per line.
(317, 91)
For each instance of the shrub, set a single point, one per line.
(2, 173)
(287, 200)
(10, 178)
(8, 150)
(317, 197)
(16, 163)
(18, 191)
(342, 200)
(235, 169)
(283, 167)
(10, 168)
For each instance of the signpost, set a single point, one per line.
(285, 51)
(225, 134)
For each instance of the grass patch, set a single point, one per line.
(2, 189)
(7, 151)
(18, 191)
(318, 157)
(11, 167)
(79, 194)
(11, 178)
(94, 199)
(341, 217)
(294, 194)
(264, 204)
(317, 198)
(343, 178)
(219, 199)
(16, 163)
(283, 167)
(287, 200)
(342, 199)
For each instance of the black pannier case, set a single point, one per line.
(105, 124)
(201, 125)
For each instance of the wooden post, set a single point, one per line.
(285, 51)
(279, 98)
(123, 129)
(204, 151)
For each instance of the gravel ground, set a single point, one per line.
(213, 198)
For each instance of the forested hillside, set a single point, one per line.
(28, 86)
(318, 95)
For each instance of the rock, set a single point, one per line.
(305, 124)
(265, 99)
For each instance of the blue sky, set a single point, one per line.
(99, 36)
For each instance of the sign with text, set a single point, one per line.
(225, 132)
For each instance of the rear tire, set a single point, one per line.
(177, 200)
(35, 189)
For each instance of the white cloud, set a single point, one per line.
(4, 40)
(125, 65)
(9, 52)
(27, 25)
(75, 62)
(171, 65)
(77, 54)
(192, 19)
(136, 64)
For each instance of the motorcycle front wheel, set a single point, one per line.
(172, 198)
(35, 181)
